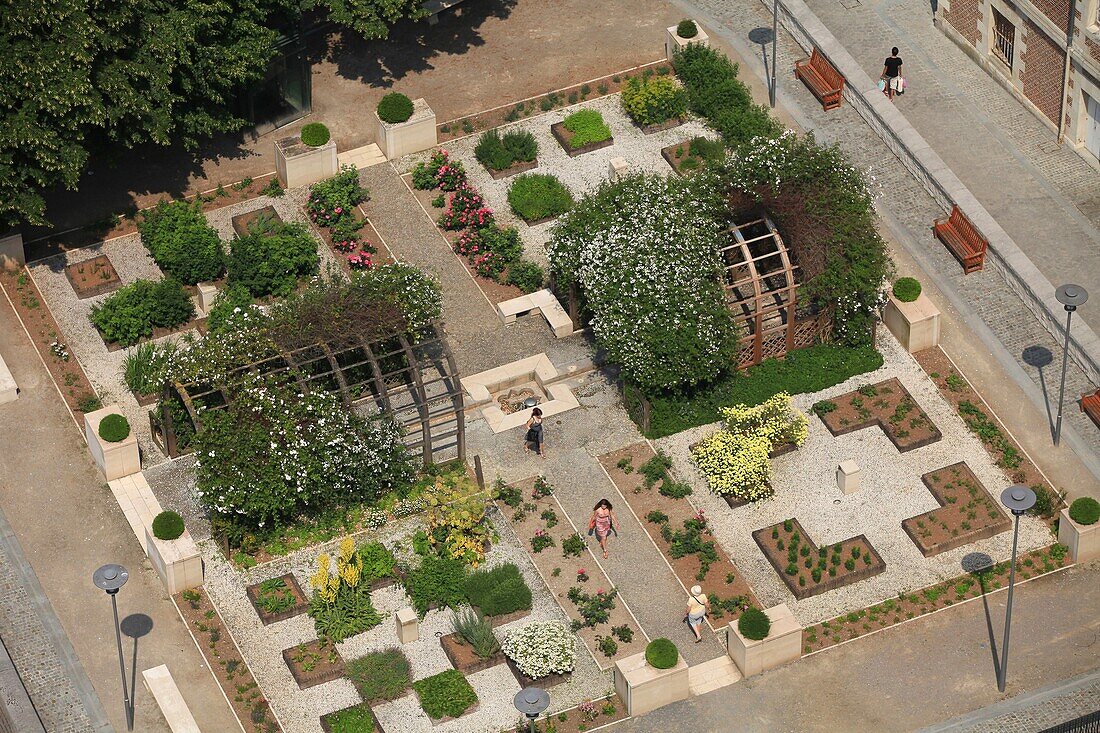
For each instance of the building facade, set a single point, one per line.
(1046, 52)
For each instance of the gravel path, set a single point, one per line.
(805, 487)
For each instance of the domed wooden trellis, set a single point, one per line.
(412, 379)
(761, 283)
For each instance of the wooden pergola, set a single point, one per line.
(412, 378)
(760, 279)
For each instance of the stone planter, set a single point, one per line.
(644, 688)
(115, 460)
(177, 562)
(411, 136)
(1083, 540)
(12, 255)
(299, 164)
(674, 43)
(916, 325)
(783, 643)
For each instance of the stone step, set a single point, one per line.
(363, 157)
(712, 675)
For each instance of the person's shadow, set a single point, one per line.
(1040, 357)
(135, 626)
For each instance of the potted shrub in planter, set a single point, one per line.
(111, 442)
(911, 316)
(655, 103)
(656, 677)
(680, 36)
(307, 157)
(760, 640)
(404, 125)
(1079, 529)
(542, 653)
(172, 552)
(582, 132)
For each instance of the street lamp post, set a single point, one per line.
(1070, 296)
(1018, 499)
(111, 578)
(775, 43)
(532, 702)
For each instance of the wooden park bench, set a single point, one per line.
(962, 240)
(1090, 405)
(822, 78)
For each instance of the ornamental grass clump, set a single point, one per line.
(167, 526)
(542, 648)
(341, 606)
(661, 654)
(1085, 510)
(144, 367)
(477, 631)
(587, 126)
(754, 624)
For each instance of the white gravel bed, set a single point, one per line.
(300, 710)
(581, 174)
(132, 262)
(891, 490)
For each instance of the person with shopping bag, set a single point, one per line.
(891, 81)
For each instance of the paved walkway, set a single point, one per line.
(68, 524)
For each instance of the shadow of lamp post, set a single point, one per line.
(111, 578)
(532, 701)
(1018, 499)
(1070, 296)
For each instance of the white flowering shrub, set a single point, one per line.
(412, 290)
(775, 418)
(542, 648)
(735, 464)
(644, 250)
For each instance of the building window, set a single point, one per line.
(1004, 36)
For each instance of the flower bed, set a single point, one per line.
(446, 696)
(380, 676)
(92, 277)
(582, 132)
(809, 570)
(542, 654)
(560, 571)
(277, 599)
(463, 657)
(908, 606)
(967, 512)
(335, 206)
(695, 556)
(356, 719)
(314, 663)
(886, 404)
(588, 716)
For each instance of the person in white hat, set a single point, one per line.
(696, 611)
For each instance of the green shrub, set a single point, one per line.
(476, 631)
(754, 624)
(521, 144)
(654, 100)
(167, 525)
(715, 92)
(315, 134)
(229, 300)
(587, 126)
(439, 581)
(169, 304)
(498, 591)
(907, 289)
(378, 561)
(395, 107)
(1085, 510)
(707, 149)
(446, 694)
(535, 196)
(130, 313)
(144, 365)
(272, 258)
(181, 242)
(526, 275)
(380, 675)
(114, 428)
(686, 28)
(356, 719)
(497, 152)
(661, 654)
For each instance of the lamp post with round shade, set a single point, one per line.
(111, 578)
(532, 702)
(1070, 296)
(1018, 499)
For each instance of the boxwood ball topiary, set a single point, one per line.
(315, 134)
(395, 107)
(687, 28)
(661, 654)
(167, 526)
(907, 289)
(754, 624)
(114, 428)
(1085, 510)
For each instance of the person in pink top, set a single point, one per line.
(603, 523)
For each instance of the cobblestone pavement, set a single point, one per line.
(1033, 711)
(907, 210)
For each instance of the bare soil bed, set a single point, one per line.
(967, 512)
(93, 277)
(242, 222)
(300, 604)
(809, 570)
(886, 404)
(314, 663)
(515, 169)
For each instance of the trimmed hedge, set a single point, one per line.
(114, 428)
(395, 108)
(499, 591)
(686, 28)
(661, 654)
(315, 134)
(1085, 510)
(181, 241)
(167, 526)
(754, 624)
(907, 289)
(535, 196)
(715, 92)
(587, 126)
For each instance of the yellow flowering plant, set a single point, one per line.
(456, 521)
(736, 464)
(341, 605)
(775, 418)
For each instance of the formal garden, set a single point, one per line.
(297, 400)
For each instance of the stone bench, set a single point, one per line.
(9, 391)
(159, 682)
(545, 302)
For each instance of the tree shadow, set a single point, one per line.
(135, 626)
(1040, 357)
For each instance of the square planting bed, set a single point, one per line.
(314, 663)
(241, 222)
(464, 658)
(545, 683)
(284, 587)
(967, 512)
(516, 168)
(886, 404)
(851, 560)
(563, 136)
(661, 126)
(360, 714)
(92, 277)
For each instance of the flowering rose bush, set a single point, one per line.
(466, 209)
(645, 251)
(426, 175)
(335, 198)
(360, 261)
(542, 648)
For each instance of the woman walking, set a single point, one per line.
(534, 436)
(696, 611)
(603, 523)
